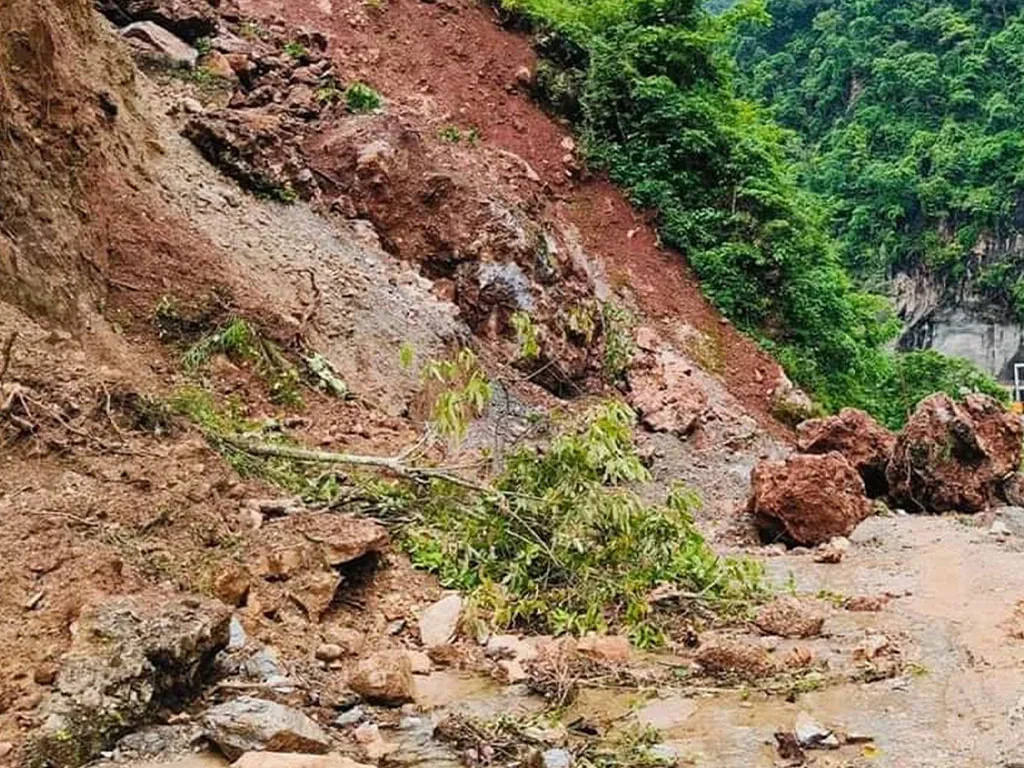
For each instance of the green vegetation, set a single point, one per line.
(361, 98)
(453, 135)
(618, 339)
(563, 544)
(296, 50)
(648, 84)
(526, 335)
(466, 393)
(910, 126)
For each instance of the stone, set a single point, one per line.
(163, 43)
(294, 760)
(45, 674)
(556, 758)
(374, 747)
(859, 438)
(954, 456)
(248, 724)
(236, 635)
(506, 647)
(1012, 518)
(188, 19)
(127, 657)
(419, 662)
(790, 404)
(807, 499)
(439, 622)
(232, 585)
(999, 529)
(351, 641)
(609, 649)
(6, 748)
(866, 603)
(664, 391)
(732, 658)
(512, 671)
(790, 617)
(329, 652)
(218, 65)
(524, 77)
(351, 717)
(1013, 489)
(811, 734)
(384, 678)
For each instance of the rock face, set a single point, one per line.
(666, 395)
(807, 499)
(384, 678)
(954, 456)
(865, 443)
(163, 43)
(129, 658)
(255, 725)
(789, 617)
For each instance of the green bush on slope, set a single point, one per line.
(649, 87)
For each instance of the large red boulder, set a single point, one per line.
(954, 456)
(807, 499)
(865, 443)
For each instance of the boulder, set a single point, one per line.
(608, 649)
(188, 19)
(789, 617)
(384, 678)
(162, 43)
(439, 622)
(248, 724)
(736, 659)
(863, 441)
(807, 499)
(790, 404)
(666, 394)
(294, 760)
(232, 585)
(129, 658)
(954, 456)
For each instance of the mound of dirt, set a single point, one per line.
(865, 443)
(954, 456)
(807, 499)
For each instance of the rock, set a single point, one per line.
(524, 77)
(860, 439)
(999, 529)
(384, 678)
(45, 674)
(351, 717)
(329, 652)
(128, 657)
(664, 391)
(789, 617)
(866, 603)
(734, 658)
(810, 734)
(808, 499)
(159, 740)
(236, 635)
(351, 641)
(218, 65)
(512, 671)
(188, 19)
(831, 552)
(232, 585)
(419, 662)
(6, 748)
(1013, 489)
(173, 49)
(439, 622)
(790, 404)
(368, 737)
(445, 655)
(248, 724)
(556, 758)
(292, 760)
(609, 649)
(954, 456)
(506, 647)
(1012, 518)
(874, 645)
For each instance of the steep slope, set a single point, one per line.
(913, 136)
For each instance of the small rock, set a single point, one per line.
(248, 724)
(45, 674)
(513, 671)
(329, 652)
(872, 647)
(524, 77)
(999, 529)
(6, 748)
(445, 655)
(351, 641)
(556, 758)
(165, 43)
(232, 586)
(368, 737)
(439, 622)
(351, 717)
(236, 635)
(735, 658)
(419, 662)
(663, 753)
(789, 617)
(610, 649)
(218, 65)
(810, 734)
(866, 603)
(384, 678)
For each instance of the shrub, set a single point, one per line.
(361, 98)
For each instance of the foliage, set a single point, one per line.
(648, 84)
(618, 339)
(526, 335)
(453, 135)
(564, 545)
(911, 132)
(203, 46)
(361, 98)
(466, 393)
(296, 50)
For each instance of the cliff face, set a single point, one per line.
(962, 318)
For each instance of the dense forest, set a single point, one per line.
(910, 122)
(650, 86)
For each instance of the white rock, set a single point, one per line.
(439, 621)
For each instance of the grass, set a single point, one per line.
(361, 98)
(295, 50)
